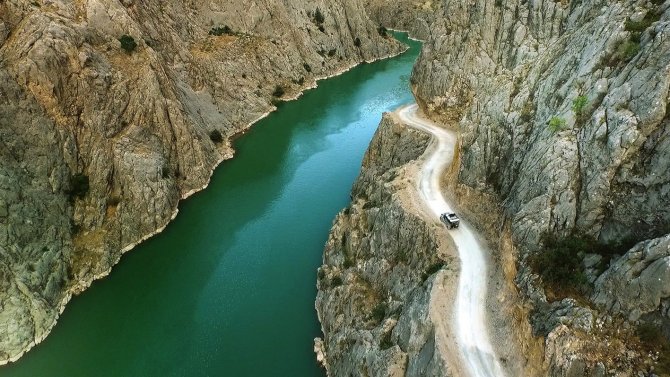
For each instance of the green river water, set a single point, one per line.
(228, 288)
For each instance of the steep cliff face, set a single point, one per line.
(562, 111)
(101, 139)
(382, 264)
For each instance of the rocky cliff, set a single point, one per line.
(382, 263)
(562, 111)
(113, 111)
(563, 166)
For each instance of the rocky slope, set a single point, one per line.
(563, 161)
(562, 110)
(100, 140)
(381, 266)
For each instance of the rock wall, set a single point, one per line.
(381, 265)
(99, 143)
(562, 111)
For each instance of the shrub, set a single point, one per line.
(579, 103)
(627, 50)
(332, 52)
(556, 123)
(318, 16)
(560, 262)
(357, 42)
(219, 31)
(336, 281)
(382, 31)
(379, 312)
(652, 339)
(79, 186)
(128, 43)
(216, 136)
(279, 91)
(307, 67)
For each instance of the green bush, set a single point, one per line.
(382, 31)
(332, 52)
(79, 186)
(279, 91)
(556, 123)
(627, 50)
(219, 31)
(357, 42)
(560, 262)
(307, 67)
(379, 312)
(336, 281)
(579, 104)
(216, 136)
(319, 18)
(128, 43)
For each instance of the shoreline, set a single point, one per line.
(80, 286)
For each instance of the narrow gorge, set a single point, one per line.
(558, 163)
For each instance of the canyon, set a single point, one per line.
(113, 112)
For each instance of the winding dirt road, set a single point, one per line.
(474, 345)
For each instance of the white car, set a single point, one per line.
(450, 220)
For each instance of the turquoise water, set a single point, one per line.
(228, 288)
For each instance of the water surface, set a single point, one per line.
(228, 288)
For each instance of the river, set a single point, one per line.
(228, 288)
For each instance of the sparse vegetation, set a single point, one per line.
(579, 104)
(79, 186)
(216, 136)
(653, 340)
(560, 262)
(332, 52)
(379, 312)
(128, 43)
(221, 30)
(336, 281)
(357, 42)
(307, 67)
(279, 91)
(319, 18)
(382, 31)
(556, 123)
(627, 51)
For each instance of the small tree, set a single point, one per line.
(556, 123)
(128, 43)
(319, 17)
(382, 31)
(79, 186)
(216, 136)
(278, 92)
(579, 104)
(357, 42)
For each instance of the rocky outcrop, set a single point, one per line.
(637, 283)
(101, 136)
(380, 271)
(562, 111)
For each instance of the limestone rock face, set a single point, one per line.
(562, 109)
(638, 282)
(379, 270)
(99, 143)
(504, 69)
